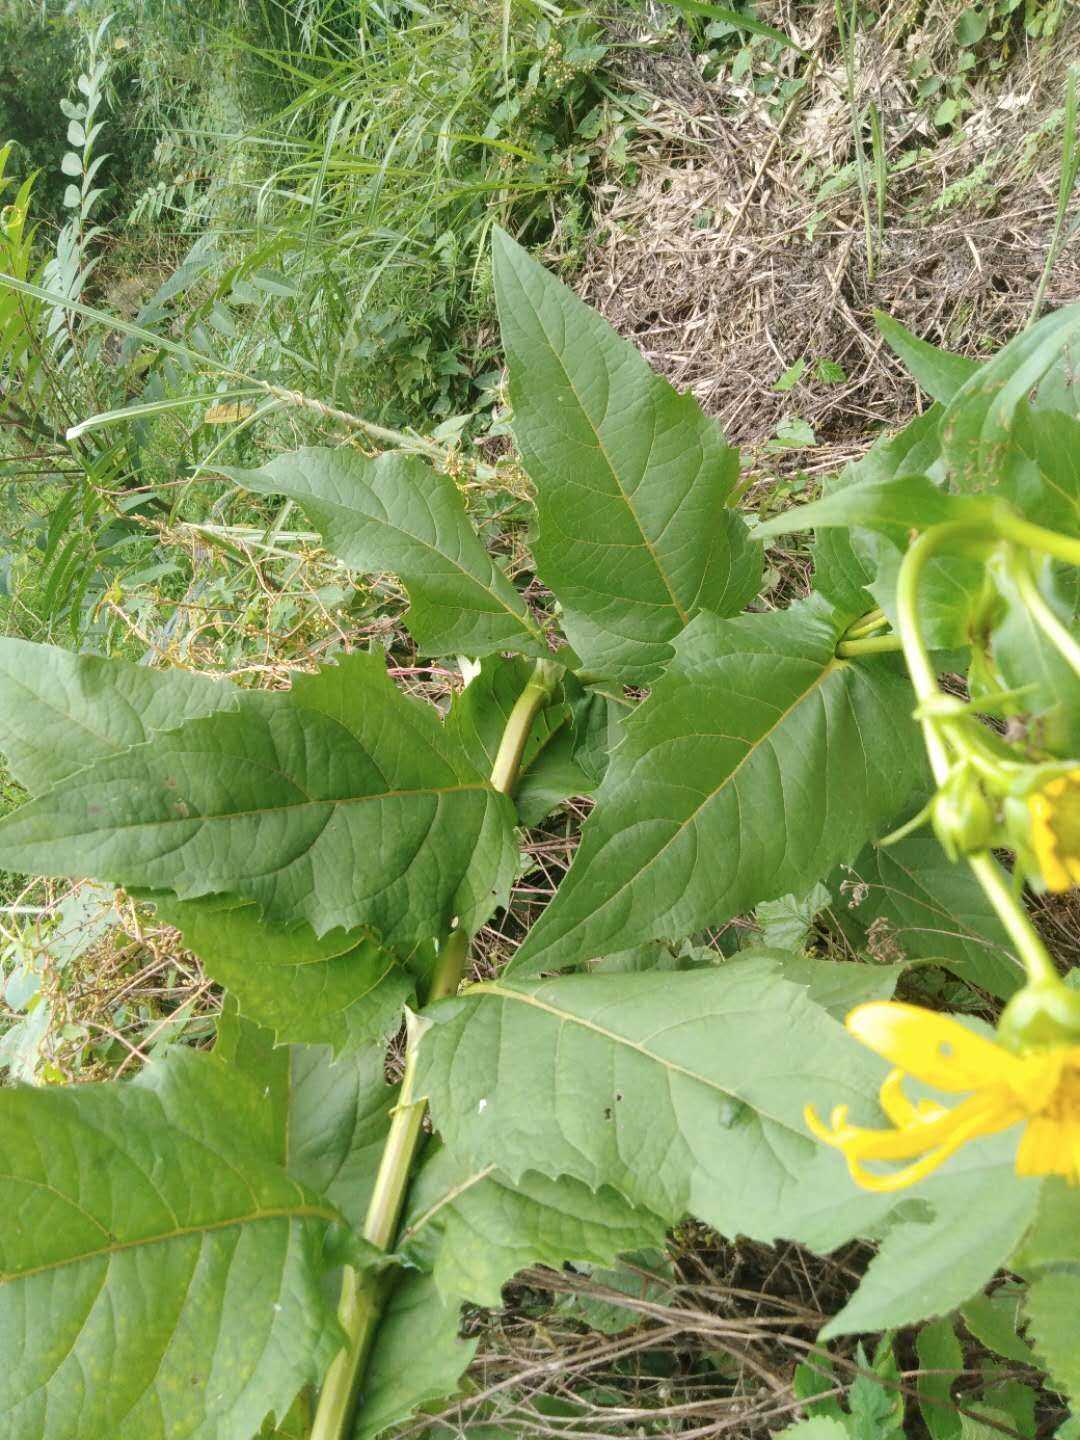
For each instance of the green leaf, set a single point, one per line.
(631, 479)
(643, 1275)
(841, 573)
(836, 985)
(341, 803)
(939, 1354)
(475, 1228)
(396, 513)
(417, 1357)
(971, 25)
(758, 762)
(821, 1427)
(940, 374)
(1050, 441)
(341, 990)
(978, 424)
(901, 504)
(1053, 1314)
(877, 1406)
(60, 712)
(1028, 660)
(682, 1091)
(929, 909)
(926, 1264)
(739, 19)
(785, 924)
(328, 1120)
(993, 1321)
(163, 1278)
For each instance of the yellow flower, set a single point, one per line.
(1040, 1087)
(1055, 830)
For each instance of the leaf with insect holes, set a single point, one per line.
(758, 762)
(684, 1092)
(926, 908)
(341, 989)
(632, 480)
(340, 803)
(474, 1228)
(160, 1272)
(396, 513)
(60, 712)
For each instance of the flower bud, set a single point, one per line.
(1045, 1013)
(962, 816)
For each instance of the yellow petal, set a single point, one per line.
(934, 1048)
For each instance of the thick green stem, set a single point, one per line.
(364, 1293)
(868, 645)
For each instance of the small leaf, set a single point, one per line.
(72, 197)
(971, 25)
(940, 374)
(993, 1321)
(71, 164)
(978, 425)
(908, 502)
(632, 480)
(1053, 1313)
(486, 1228)
(791, 376)
(343, 990)
(396, 513)
(924, 907)
(757, 763)
(76, 135)
(939, 1354)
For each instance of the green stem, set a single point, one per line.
(1040, 968)
(364, 1293)
(1043, 616)
(1034, 537)
(869, 645)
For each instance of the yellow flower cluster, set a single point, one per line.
(1055, 830)
(1039, 1088)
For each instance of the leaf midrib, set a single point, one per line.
(684, 615)
(299, 1212)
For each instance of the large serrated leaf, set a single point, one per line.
(60, 712)
(340, 803)
(927, 908)
(758, 762)
(396, 513)
(341, 989)
(1053, 1314)
(682, 1091)
(631, 479)
(160, 1274)
(474, 1228)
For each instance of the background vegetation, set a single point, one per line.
(296, 197)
